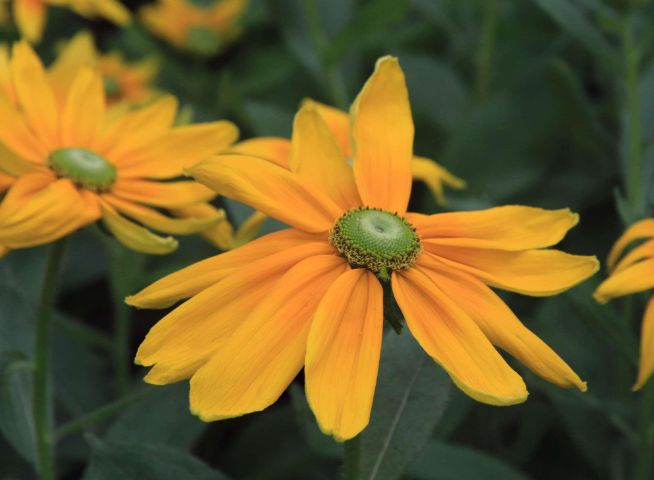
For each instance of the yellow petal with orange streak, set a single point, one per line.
(338, 123)
(160, 194)
(646, 347)
(274, 149)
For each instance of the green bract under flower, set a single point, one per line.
(203, 41)
(111, 87)
(378, 240)
(87, 169)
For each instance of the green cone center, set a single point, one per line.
(202, 41)
(84, 167)
(378, 240)
(111, 87)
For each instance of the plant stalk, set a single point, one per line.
(352, 459)
(634, 144)
(484, 57)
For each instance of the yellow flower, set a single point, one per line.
(71, 165)
(633, 274)
(203, 27)
(311, 296)
(30, 15)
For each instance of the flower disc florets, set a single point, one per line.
(378, 240)
(84, 167)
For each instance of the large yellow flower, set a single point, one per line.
(70, 164)
(30, 15)
(311, 296)
(203, 27)
(633, 274)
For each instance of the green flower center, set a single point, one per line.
(203, 41)
(87, 169)
(111, 87)
(378, 240)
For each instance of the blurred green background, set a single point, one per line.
(527, 100)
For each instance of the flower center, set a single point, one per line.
(202, 41)
(87, 169)
(111, 87)
(204, 3)
(378, 240)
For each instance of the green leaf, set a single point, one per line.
(441, 461)
(16, 421)
(139, 461)
(573, 20)
(410, 399)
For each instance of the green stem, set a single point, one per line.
(646, 433)
(82, 333)
(41, 399)
(634, 155)
(352, 459)
(334, 79)
(102, 413)
(484, 58)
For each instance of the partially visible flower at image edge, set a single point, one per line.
(66, 163)
(632, 274)
(30, 15)
(311, 296)
(203, 27)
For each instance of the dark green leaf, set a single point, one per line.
(410, 398)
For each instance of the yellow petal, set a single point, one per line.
(158, 194)
(269, 189)
(249, 229)
(646, 347)
(37, 210)
(641, 229)
(451, 337)
(382, 138)
(530, 272)
(503, 228)
(14, 165)
(338, 123)
(646, 250)
(4, 251)
(180, 148)
(221, 236)
(80, 51)
(83, 113)
(261, 358)
(5, 74)
(499, 324)
(133, 236)
(186, 338)
(317, 158)
(434, 176)
(343, 351)
(34, 94)
(113, 10)
(194, 279)
(6, 181)
(275, 150)
(636, 278)
(155, 220)
(30, 18)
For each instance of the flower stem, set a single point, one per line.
(484, 57)
(41, 400)
(646, 433)
(101, 414)
(634, 152)
(352, 459)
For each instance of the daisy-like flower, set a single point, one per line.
(632, 274)
(70, 164)
(30, 15)
(203, 27)
(311, 296)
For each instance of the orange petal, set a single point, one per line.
(269, 189)
(343, 351)
(530, 272)
(83, 113)
(275, 150)
(453, 339)
(503, 228)
(158, 194)
(317, 158)
(221, 236)
(338, 123)
(636, 278)
(194, 279)
(641, 229)
(499, 324)
(382, 138)
(6, 181)
(646, 347)
(265, 353)
(30, 18)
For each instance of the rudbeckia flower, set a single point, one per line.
(311, 296)
(632, 274)
(72, 165)
(30, 15)
(203, 27)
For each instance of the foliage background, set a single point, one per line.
(524, 99)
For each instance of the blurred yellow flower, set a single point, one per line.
(71, 164)
(633, 274)
(311, 296)
(203, 27)
(30, 15)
